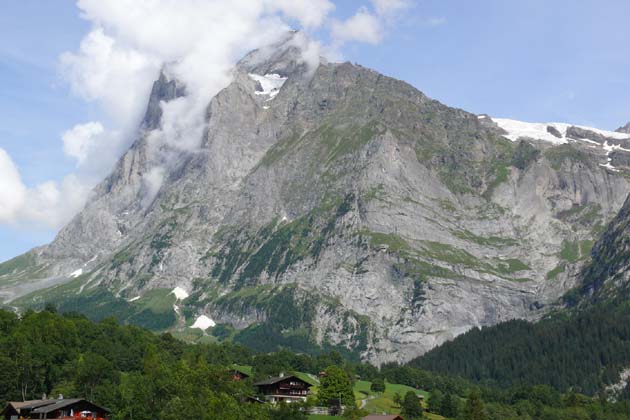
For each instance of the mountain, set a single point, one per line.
(332, 207)
(624, 129)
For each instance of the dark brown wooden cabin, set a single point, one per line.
(284, 388)
(57, 409)
(238, 374)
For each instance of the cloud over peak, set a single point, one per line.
(198, 41)
(368, 25)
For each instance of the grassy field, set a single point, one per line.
(379, 403)
(376, 402)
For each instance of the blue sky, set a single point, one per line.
(534, 60)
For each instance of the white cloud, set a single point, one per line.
(152, 182)
(362, 26)
(12, 191)
(436, 21)
(368, 26)
(49, 204)
(195, 41)
(52, 204)
(310, 14)
(385, 7)
(80, 139)
(94, 148)
(119, 77)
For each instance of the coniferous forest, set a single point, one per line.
(141, 375)
(585, 352)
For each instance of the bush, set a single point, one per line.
(378, 385)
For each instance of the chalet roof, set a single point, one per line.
(382, 417)
(275, 380)
(57, 404)
(30, 403)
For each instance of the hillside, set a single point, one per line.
(136, 373)
(586, 351)
(331, 208)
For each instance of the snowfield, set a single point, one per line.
(539, 131)
(179, 293)
(556, 133)
(270, 83)
(203, 323)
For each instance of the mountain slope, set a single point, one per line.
(586, 351)
(336, 207)
(606, 278)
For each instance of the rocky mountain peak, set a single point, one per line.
(286, 57)
(624, 129)
(164, 89)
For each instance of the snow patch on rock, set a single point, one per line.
(270, 83)
(609, 148)
(76, 273)
(180, 293)
(203, 323)
(612, 147)
(134, 299)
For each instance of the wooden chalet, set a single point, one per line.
(57, 409)
(284, 388)
(239, 373)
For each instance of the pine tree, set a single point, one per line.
(474, 410)
(410, 407)
(448, 407)
(434, 404)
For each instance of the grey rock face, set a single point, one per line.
(606, 275)
(388, 221)
(162, 90)
(624, 129)
(554, 131)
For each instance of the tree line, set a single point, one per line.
(141, 375)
